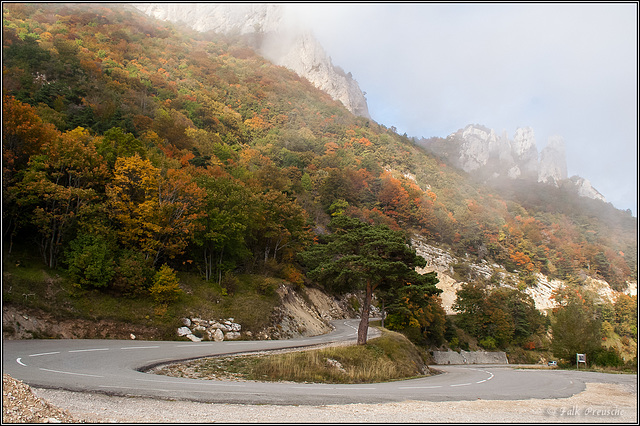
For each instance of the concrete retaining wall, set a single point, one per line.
(465, 357)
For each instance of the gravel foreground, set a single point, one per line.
(21, 404)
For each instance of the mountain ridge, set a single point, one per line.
(487, 156)
(273, 36)
(276, 36)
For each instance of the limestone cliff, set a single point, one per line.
(483, 153)
(553, 163)
(441, 261)
(275, 36)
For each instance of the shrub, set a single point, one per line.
(90, 262)
(454, 343)
(166, 287)
(608, 358)
(488, 343)
(267, 287)
(134, 275)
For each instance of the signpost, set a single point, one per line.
(581, 358)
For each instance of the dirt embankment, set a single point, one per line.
(305, 313)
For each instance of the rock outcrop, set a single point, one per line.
(525, 153)
(274, 35)
(305, 316)
(553, 162)
(542, 292)
(486, 155)
(585, 189)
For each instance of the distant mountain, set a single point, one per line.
(273, 36)
(483, 153)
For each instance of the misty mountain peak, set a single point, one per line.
(553, 163)
(281, 40)
(225, 18)
(480, 151)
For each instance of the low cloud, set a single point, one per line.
(567, 69)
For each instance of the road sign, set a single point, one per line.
(581, 358)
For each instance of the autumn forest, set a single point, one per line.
(134, 149)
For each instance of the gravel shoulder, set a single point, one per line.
(599, 403)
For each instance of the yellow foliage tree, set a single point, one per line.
(155, 214)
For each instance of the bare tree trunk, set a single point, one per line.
(363, 328)
(220, 266)
(207, 263)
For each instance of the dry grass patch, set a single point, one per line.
(389, 357)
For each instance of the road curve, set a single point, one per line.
(116, 367)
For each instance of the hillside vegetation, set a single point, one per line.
(135, 152)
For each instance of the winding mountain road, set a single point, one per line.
(116, 367)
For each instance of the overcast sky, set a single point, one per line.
(563, 69)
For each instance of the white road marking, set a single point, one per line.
(19, 361)
(461, 384)
(194, 344)
(329, 388)
(89, 350)
(69, 372)
(419, 387)
(140, 347)
(45, 353)
(199, 383)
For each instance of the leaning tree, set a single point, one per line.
(360, 256)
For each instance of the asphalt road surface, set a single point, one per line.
(115, 367)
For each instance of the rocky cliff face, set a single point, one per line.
(274, 36)
(585, 189)
(441, 262)
(485, 154)
(553, 163)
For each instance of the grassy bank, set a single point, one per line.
(388, 357)
(50, 295)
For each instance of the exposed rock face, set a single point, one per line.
(307, 58)
(485, 154)
(305, 316)
(542, 293)
(274, 36)
(553, 162)
(477, 149)
(479, 144)
(585, 189)
(525, 153)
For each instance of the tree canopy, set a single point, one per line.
(360, 256)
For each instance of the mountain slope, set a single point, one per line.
(258, 157)
(273, 36)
